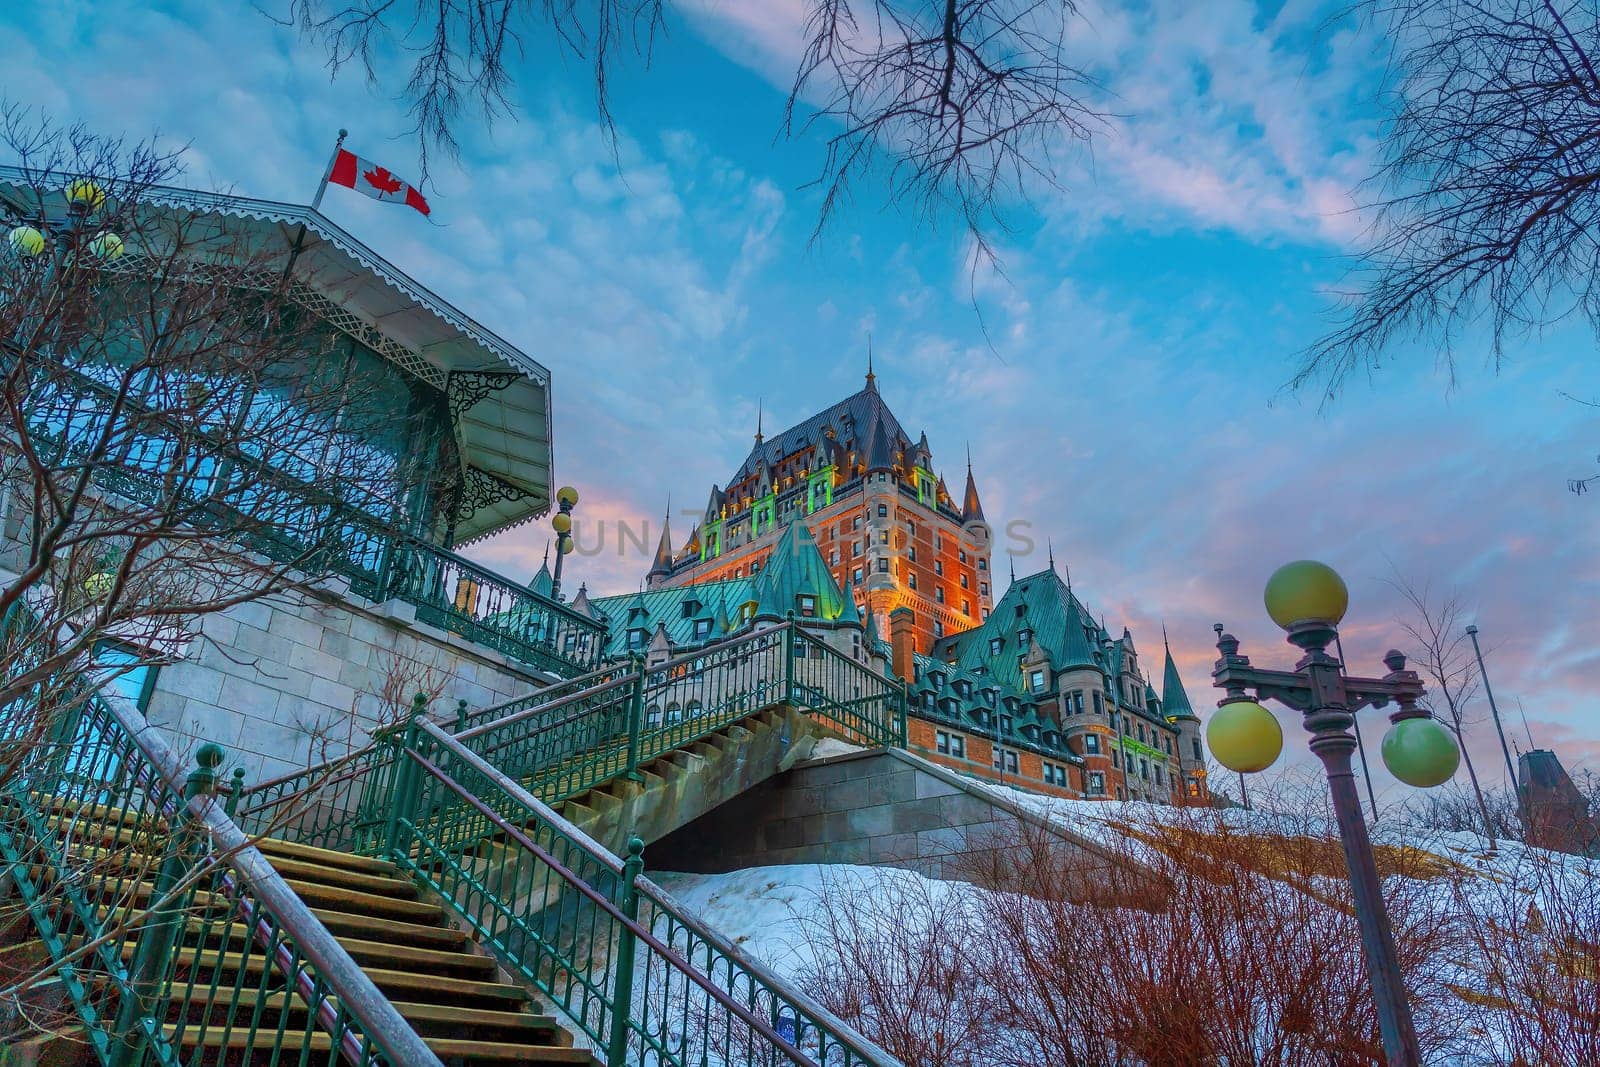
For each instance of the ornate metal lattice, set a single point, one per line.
(480, 489)
(466, 387)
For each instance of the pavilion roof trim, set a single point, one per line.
(504, 425)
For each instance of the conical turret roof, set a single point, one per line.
(796, 568)
(1174, 701)
(662, 564)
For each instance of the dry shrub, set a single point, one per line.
(1205, 944)
(1531, 981)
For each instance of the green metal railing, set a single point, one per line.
(468, 815)
(563, 747)
(171, 936)
(643, 982)
(466, 719)
(322, 525)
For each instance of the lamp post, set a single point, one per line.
(561, 522)
(31, 238)
(1308, 600)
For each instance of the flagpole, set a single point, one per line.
(316, 202)
(327, 172)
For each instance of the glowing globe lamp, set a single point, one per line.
(85, 195)
(561, 523)
(26, 241)
(106, 245)
(1421, 752)
(1306, 591)
(98, 584)
(567, 495)
(1244, 736)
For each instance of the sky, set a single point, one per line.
(1120, 379)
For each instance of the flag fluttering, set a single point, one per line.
(378, 182)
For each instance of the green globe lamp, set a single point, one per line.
(27, 241)
(1421, 752)
(106, 245)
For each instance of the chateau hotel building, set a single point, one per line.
(1033, 692)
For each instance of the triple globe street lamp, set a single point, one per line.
(84, 200)
(1308, 599)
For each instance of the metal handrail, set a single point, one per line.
(846, 1035)
(739, 1011)
(546, 709)
(379, 1019)
(544, 697)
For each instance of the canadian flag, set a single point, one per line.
(365, 176)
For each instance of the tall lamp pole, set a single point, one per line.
(1308, 600)
(1494, 709)
(561, 522)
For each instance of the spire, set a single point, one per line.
(971, 508)
(1050, 548)
(663, 560)
(872, 379)
(1013, 561)
(1174, 701)
(759, 402)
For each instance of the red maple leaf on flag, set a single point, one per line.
(380, 179)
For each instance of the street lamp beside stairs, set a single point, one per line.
(1308, 599)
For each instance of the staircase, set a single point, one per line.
(458, 916)
(680, 786)
(452, 994)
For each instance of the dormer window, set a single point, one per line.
(702, 629)
(806, 606)
(995, 645)
(938, 680)
(691, 608)
(1024, 639)
(637, 639)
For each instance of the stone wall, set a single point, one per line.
(877, 807)
(290, 680)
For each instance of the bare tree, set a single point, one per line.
(968, 99)
(1487, 199)
(176, 436)
(1443, 651)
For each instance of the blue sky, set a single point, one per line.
(1131, 406)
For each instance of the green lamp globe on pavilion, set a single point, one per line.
(106, 245)
(26, 240)
(1306, 591)
(561, 523)
(1421, 752)
(1244, 737)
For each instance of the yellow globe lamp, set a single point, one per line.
(567, 495)
(1306, 591)
(1420, 752)
(1244, 736)
(26, 240)
(98, 584)
(561, 523)
(106, 245)
(85, 195)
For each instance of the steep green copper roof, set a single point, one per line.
(1174, 701)
(796, 567)
(1060, 625)
(542, 582)
(717, 601)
